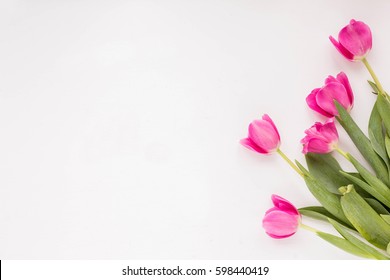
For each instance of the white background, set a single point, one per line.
(120, 123)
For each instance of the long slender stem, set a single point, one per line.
(373, 75)
(308, 228)
(341, 152)
(290, 162)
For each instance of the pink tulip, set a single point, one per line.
(355, 40)
(322, 99)
(263, 136)
(321, 138)
(282, 220)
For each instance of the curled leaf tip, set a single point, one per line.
(346, 189)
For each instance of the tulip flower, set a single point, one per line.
(321, 138)
(282, 220)
(322, 99)
(263, 136)
(355, 40)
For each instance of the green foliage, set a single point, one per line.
(363, 143)
(329, 200)
(364, 218)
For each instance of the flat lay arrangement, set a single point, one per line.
(355, 203)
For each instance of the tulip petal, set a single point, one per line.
(317, 146)
(356, 38)
(268, 119)
(330, 92)
(330, 79)
(312, 103)
(329, 131)
(342, 78)
(279, 237)
(264, 135)
(322, 99)
(315, 132)
(279, 224)
(347, 54)
(248, 143)
(320, 138)
(284, 204)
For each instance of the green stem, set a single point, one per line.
(290, 162)
(372, 73)
(308, 228)
(341, 152)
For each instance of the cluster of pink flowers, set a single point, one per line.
(354, 43)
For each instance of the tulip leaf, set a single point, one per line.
(367, 222)
(377, 135)
(360, 190)
(328, 200)
(325, 168)
(319, 213)
(377, 206)
(382, 193)
(357, 242)
(374, 87)
(362, 143)
(355, 174)
(388, 248)
(302, 168)
(344, 245)
(386, 218)
(378, 188)
(387, 145)
(383, 105)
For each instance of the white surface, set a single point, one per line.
(120, 123)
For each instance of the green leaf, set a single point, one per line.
(360, 190)
(386, 218)
(374, 87)
(355, 174)
(319, 213)
(377, 206)
(382, 193)
(377, 188)
(383, 105)
(344, 245)
(302, 168)
(325, 168)
(357, 242)
(377, 135)
(330, 201)
(367, 222)
(387, 145)
(362, 143)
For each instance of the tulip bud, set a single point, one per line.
(322, 99)
(320, 138)
(355, 40)
(282, 220)
(263, 136)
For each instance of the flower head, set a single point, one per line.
(263, 136)
(320, 138)
(322, 99)
(282, 220)
(355, 40)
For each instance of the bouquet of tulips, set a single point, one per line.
(356, 204)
